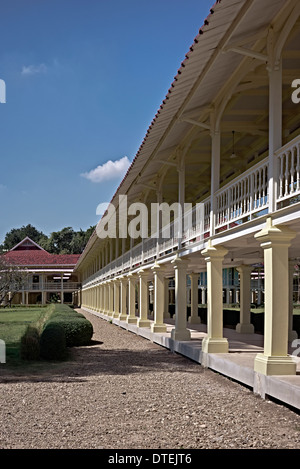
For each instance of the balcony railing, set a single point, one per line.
(243, 199)
(53, 286)
(288, 158)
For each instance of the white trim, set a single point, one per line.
(27, 239)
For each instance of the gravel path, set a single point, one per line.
(126, 392)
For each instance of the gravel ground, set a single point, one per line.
(124, 392)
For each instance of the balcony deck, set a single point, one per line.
(238, 364)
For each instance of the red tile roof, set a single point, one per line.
(39, 257)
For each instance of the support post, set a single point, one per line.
(123, 288)
(158, 307)
(245, 326)
(116, 311)
(275, 241)
(166, 297)
(180, 332)
(214, 342)
(131, 318)
(194, 317)
(143, 320)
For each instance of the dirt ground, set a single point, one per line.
(124, 392)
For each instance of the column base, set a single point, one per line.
(143, 323)
(123, 317)
(131, 320)
(210, 345)
(182, 335)
(194, 320)
(270, 365)
(158, 328)
(245, 328)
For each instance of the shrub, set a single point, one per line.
(53, 342)
(30, 344)
(78, 330)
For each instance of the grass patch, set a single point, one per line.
(17, 326)
(13, 324)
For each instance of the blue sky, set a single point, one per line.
(84, 79)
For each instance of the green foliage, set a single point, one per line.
(23, 330)
(16, 235)
(53, 342)
(30, 344)
(78, 330)
(65, 241)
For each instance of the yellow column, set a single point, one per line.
(105, 298)
(131, 318)
(194, 317)
(275, 241)
(116, 311)
(180, 332)
(158, 306)
(214, 342)
(166, 307)
(110, 287)
(143, 320)
(123, 286)
(99, 298)
(245, 326)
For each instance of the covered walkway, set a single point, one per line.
(237, 364)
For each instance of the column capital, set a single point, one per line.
(244, 268)
(180, 262)
(156, 268)
(215, 252)
(274, 235)
(194, 274)
(131, 276)
(143, 273)
(123, 279)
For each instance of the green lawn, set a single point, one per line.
(13, 323)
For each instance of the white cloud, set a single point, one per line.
(33, 69)
(108, 170)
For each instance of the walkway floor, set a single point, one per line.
(238, 364)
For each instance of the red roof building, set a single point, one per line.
(51, 276)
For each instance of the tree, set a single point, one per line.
(80, 240)
(65, 241)
(12, 280)
(16, 235)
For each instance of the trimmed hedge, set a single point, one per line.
(30, 344)
(78, 330)
(53, 342)
(60, 327)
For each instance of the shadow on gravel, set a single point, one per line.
(84, 362)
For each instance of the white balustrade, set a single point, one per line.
(288, 158)
(244, 197)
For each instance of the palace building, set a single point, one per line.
(225, 140)
(50, 276)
